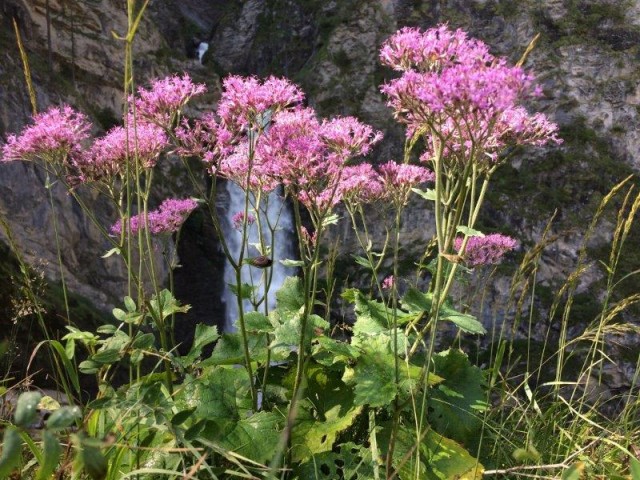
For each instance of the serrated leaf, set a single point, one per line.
(456, 403)
(290, 297)
(416, 301)
(327, 410)
(257, 322)
(204, 335)
(350, 461)
(26, 408)
(245, 291)
(256, 437)
(11, 451)
(439, 458)
(328, 351)
(230, 351)
(51, 450)
(374, 378)
(362, 261)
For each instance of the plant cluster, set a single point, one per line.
(283, 396)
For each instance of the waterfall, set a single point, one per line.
(202, 49)
(284, 249)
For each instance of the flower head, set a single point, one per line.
(168, 218)
(238, 220)
(487, 250)
(55, 136)
(166, 97)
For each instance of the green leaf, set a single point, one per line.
(113, 251)
(327, 410)
(51, 455)
(292, 263)
(90, 458)
(438, 457)
(203, 336)
(88, 367)
(466, 323)
(362, 261)
(256, 437)
(469, 232)
(634, 466)
(11, 456)
(245, 291)
(374, 377)
(130, 304)
(107, 356)
(230, 351)
(107, 329)
(330, 220)
(350, 461)
(328, 351)
(143, 341)
(574, 472)
(182, 416)
(63, 417)
(165, 305)
(428, 194)
(416, 301)
(257, 322)
(119, 314)
(27, 408)
(456, 403)
(290, 297)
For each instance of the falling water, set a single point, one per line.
(284, 249)
(202, 49)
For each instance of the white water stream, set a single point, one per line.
(278, 213)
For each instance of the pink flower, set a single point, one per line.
(487, 250)
(238, 220)
(388, 283)
(409, 48)
(398, 179)
(55, 136)
(360, 184)
(249, 102)
(454, 92)
(111, 154)
(168, 218)
(165, 99)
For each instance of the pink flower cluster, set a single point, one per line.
(456, 92)
(168, 218)
(238, 220)
(487, 250)
(164, 100)
(56, 136)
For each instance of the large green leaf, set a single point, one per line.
(203, 336)
(430, 456)
(329, 352)
(290, 297)
(327, 410)
(350, 461)
(286, 335)
(255, 437)
(230, 351)
(456, 403)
